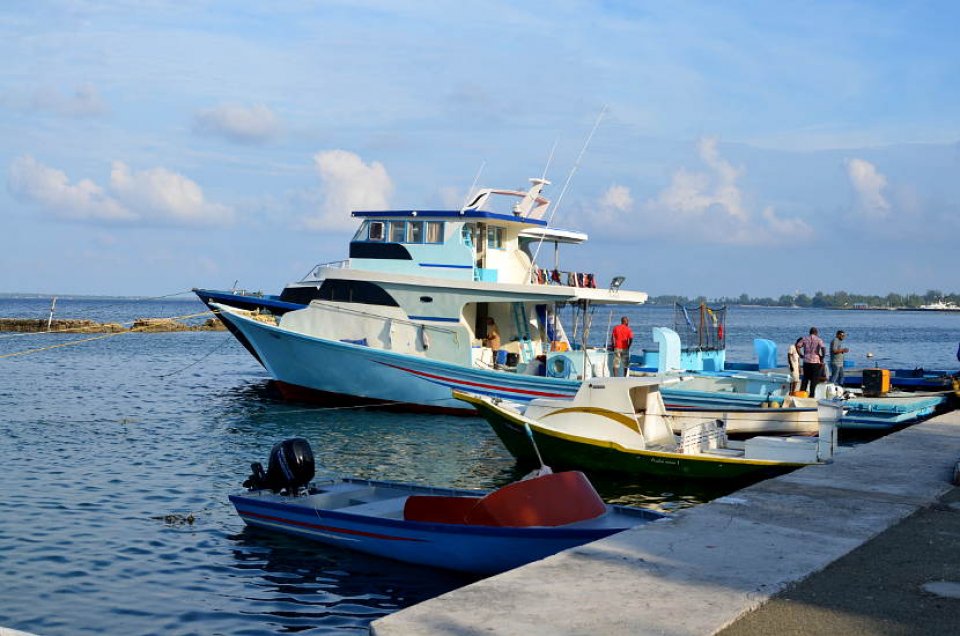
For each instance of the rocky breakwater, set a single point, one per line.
(65, 325)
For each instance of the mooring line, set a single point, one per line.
(62, 344)
(197, 361)
(142, 329)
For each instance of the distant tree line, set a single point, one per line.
(838, 300)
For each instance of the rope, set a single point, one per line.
(135, 298)
(91, 339)
(197, 361)
(63, 344)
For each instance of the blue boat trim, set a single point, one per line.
(446, 214)
(447, 266)
(260, 302)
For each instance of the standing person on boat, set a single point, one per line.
(622, 340)
(836, 357)
(492, 337)
(793, 362)
(813, 350)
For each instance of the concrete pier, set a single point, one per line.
(714, 563)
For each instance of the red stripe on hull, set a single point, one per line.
(492, 387)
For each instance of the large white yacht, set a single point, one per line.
(404, 320)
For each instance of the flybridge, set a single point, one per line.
(529, 210)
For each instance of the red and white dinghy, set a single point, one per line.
(465, 530)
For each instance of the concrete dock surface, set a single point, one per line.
(864, 545)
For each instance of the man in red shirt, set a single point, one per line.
(622, 339)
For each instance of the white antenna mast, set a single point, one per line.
(576, 165)
(472, 186)
(549, 161)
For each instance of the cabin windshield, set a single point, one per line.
(396, 231)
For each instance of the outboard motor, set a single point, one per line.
(291, 467)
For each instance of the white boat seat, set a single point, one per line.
(388, 508)
(654, 423)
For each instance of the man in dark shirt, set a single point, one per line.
(812, 349)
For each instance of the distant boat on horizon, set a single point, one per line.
(940, 305)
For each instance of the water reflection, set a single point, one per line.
(305, 585)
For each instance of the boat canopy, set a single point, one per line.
(555, 235)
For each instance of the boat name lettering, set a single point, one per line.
(662, 460)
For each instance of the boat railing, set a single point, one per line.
(540, 276)
(314, 273)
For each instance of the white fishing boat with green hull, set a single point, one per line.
(621, 425)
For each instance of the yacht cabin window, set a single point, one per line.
(434, 232)
(398, 231)
(415, 232)
(401, 231)
(495, 238)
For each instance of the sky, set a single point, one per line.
(765, 148)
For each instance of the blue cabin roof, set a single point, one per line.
(456, 215)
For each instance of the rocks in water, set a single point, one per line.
(40, 325)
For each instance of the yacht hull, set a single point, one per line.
(340, 373)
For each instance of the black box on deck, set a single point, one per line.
(876, 382)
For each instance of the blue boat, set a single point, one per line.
(469, 531)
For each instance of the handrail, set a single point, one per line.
(313, 273)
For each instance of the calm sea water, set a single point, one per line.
(108, 447)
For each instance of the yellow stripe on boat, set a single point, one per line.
(618, 417)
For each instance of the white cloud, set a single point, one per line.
(348, 184)
(792, 229)
(253, 124)
(868, 184)
(84, 102)
(155, 196)
(166, 196)
(617, 197)
(698, 192)
(31, 181)
(705, 206)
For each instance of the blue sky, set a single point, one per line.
(150, 147)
